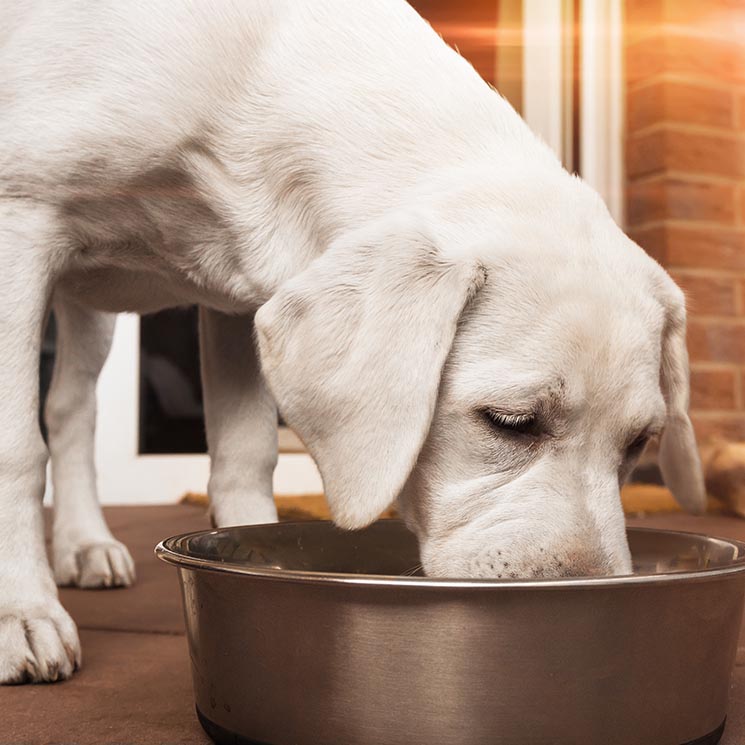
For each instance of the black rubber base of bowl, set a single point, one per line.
(222, 736)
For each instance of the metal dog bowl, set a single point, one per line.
(301, 634)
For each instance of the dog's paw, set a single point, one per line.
(91, 565)
(38, 644)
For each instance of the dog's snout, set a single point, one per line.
(535, 562)
(576, 562)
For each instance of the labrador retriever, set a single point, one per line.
(442, 313)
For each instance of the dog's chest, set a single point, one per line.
(167, 238)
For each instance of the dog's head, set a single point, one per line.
(500, 380)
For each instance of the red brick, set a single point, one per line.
(729, 427)
(646, 154)
(645, 106)
(721, 155)
(713, 389)
(720, 59)
(645, 202)
(643, 12)
(709, 296)
(675, 198)
(713, 16)
(689, 247)
(644, 59)
(686, 151)
(652, 240)
(685, 103)
(714, 341)
(741, 296)
(690, 200)
(703, 248)
(685, 161)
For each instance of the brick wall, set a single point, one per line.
(685, 189)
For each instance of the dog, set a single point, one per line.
(379, 246)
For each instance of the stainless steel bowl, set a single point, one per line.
(301, 634)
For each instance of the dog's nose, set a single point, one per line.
(577, 561)
(552, 558)
(543, 563)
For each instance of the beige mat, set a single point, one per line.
(638, 499)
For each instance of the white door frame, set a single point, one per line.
(127, 477)
(601, 88)
(602, 101)
(543, 95)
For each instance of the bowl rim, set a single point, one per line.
(165, 552)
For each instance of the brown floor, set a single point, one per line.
(135, 688)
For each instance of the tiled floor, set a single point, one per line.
(135, 685)
(135, 688)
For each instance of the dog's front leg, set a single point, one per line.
(38, 640)
(84, 551)
(241, 419)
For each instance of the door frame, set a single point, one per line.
(601, 114)
(126, 476)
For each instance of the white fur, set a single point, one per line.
(423, 256)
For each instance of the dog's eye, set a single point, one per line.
(636, 447)
(520, 424)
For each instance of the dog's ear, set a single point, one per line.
(353, 349)
(679, 457)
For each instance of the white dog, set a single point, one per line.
(443, 313)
